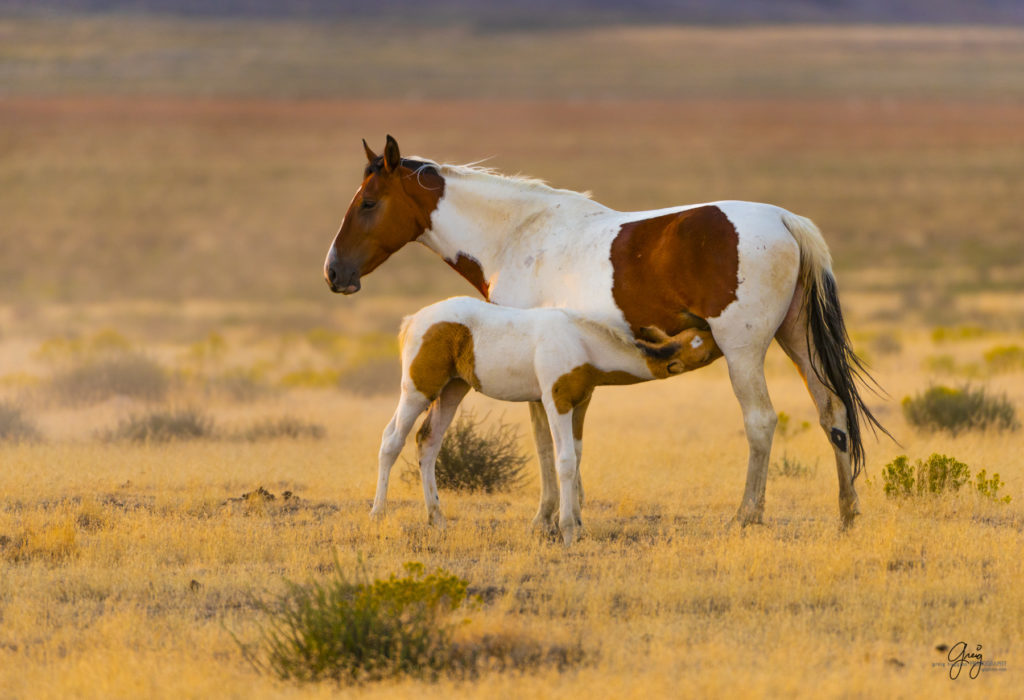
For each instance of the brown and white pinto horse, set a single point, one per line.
(753, 271)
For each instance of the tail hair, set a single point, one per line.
(835, 363)
(832, 357)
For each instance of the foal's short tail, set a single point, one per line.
(828, 344)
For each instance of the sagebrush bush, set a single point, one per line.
(119, 374)
(14, 425)
(1004, 358)
(286, 427)
(353, 630)
(957, 410)
(939, 474)
(472, 459)
(164, 425)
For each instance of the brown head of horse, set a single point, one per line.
(392, 207)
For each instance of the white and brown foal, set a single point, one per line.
(554, 356)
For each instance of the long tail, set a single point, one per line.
(828, 343)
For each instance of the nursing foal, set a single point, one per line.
(555, 356)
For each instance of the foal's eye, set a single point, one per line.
(369, 204)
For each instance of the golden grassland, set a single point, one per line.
(664, 594)
(169, 189)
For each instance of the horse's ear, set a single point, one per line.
(370, 155)
(392, 157)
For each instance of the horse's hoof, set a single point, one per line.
(436, 519)
(750, 516)
(377, 514)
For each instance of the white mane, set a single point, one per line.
(478, 172)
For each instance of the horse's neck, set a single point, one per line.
(498, 222)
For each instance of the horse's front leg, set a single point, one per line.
(546, 518)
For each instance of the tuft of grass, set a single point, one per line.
(957, 410)
(793, 469)
(286, 427)
(472, 459)
(14, 426)
(353, 630)
(939, 474)
(311, 379)
(164, 426)
(54, 543)
(121, 374)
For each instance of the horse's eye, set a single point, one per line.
(369, 203)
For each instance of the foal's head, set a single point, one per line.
(391, 208)
(668, 355)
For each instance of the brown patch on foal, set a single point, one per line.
(469, 267)
(446, 353)
(671, 265)
(576, 386)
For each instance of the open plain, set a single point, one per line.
(158, 213)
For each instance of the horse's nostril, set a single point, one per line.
(331, 276)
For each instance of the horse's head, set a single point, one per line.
(391, 208)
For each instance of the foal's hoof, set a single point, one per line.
(377, 514)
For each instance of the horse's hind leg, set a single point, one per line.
(792, 336)
(410, 406)
(428, 442)
(746, 372)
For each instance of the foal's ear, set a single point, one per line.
(370, 155)
(392, 157)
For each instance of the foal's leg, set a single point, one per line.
(428, 442)
(547, 513)
(578, 415)
(792, 336)
(410, 406)
(568, 470)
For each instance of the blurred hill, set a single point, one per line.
(542, 13)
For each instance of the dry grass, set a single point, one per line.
(101, 544)
(188, 203)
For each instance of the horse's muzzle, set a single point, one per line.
(341, 282)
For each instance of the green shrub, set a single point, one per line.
(899, 477)
(164, 426)
(471, 459)
(287, 427)
(956, 410)
(14, 426)
(354, 630)
(937, 475)
(120, 374)
(1005, 358)
(990, 487)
